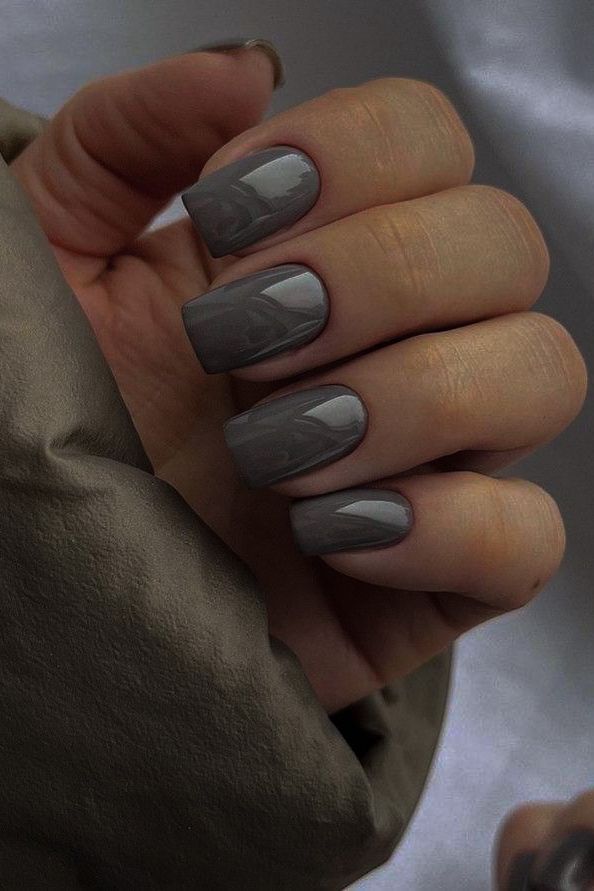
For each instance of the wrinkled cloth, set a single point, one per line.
(153, 734)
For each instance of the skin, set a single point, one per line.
(540, 827)
(470, 381)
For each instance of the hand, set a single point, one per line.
(547, 846)
(429, 283)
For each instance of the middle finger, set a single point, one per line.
(442, 260)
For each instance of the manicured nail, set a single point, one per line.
(255, 317)
(520, 872)
(570, 867)
(234, 43)
(350, 520)
(295, 433)
(252, 197)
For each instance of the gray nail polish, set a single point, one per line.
(233, 43)
(256, 317)
(350, 520)
(295, 433)
(252, 197)
(519, 873)
(570, 867)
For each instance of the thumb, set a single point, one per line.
(117, 152)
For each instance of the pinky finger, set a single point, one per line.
(517, 842)
(548, 846)
(497, 541)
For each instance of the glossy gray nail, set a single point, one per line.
(256, 317)
(296, 433)
(518, 879)
(252, 197)
(570, 867)
(350, 520)
(233, 43)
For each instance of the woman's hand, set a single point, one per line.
(547, 847)
(428, 282)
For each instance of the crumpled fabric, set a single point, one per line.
(153, 734)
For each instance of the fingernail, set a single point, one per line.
(570, 867)
(350, 520)
(234, 43)
(252, 197)
(253, 318)
(520, 872)
(289, 435)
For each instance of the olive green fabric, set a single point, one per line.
(17, 128)
(153, 734)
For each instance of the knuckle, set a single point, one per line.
(560, 363)
(517, 538)
(540, 550)
(443, 388)
(494, 194)
(523, 233)
(553, 538)
(453, 388)
(388, 240)
(385, 95)
(369, 109)
(340, 95)
(381, 237)
(447, 116)
(433, 94)
(393, 86)
(493, 545)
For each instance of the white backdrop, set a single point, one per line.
(521, 718)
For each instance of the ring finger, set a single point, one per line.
(506, 383)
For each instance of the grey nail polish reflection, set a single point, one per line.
(256, 317)
(349, 520)
(295, 433)
(252, 197)
(570, 867)
(520, 871)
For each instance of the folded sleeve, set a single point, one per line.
(154, 735)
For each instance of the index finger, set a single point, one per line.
(353, 148)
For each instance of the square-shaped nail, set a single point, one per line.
(296, 433)
(256, 317)
(350, 520)
(252, 198)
